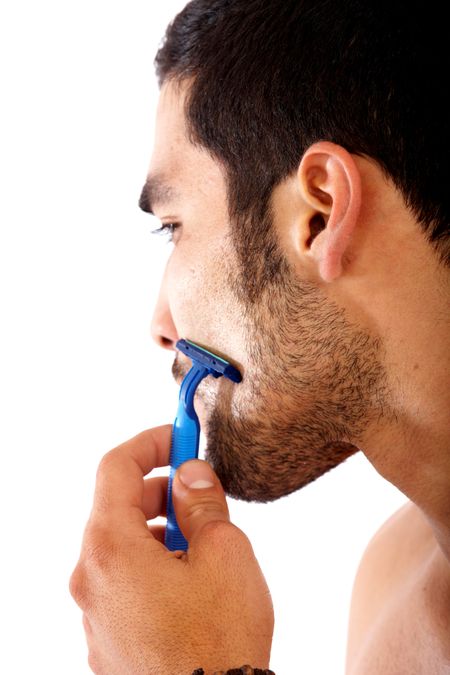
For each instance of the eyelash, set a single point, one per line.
(167, 230)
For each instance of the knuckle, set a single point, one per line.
(106, 461)
(204, 505)
(78, 586)
(218, 531)
(226, 537)
(100, 550)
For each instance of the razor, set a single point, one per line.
(186, 428)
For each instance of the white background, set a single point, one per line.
(79, 374)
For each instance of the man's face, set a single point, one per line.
(312, 380)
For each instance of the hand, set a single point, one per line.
(153, 611)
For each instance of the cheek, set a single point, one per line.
(189, 289)
(203, 308)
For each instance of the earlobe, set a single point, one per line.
(330, 184)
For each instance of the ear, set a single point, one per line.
(330, 186)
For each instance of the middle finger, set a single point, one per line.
(154, 498)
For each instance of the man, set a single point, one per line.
(301, 166)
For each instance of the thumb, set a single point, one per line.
(198, 497)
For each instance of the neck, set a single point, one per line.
(410, 444)
(413, 453)
(411, 448)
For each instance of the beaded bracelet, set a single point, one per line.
(243, 670)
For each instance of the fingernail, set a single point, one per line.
(196, 474)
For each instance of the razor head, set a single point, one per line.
(215, 364)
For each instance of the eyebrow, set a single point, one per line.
(156, 191)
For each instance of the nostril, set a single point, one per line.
(162, 329)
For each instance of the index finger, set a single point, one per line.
(119, 486)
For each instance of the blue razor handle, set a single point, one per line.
(185, 442)
(186, 428)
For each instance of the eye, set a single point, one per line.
(167, 230)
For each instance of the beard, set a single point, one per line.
(314, 384)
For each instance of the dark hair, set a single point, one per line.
(271, 77)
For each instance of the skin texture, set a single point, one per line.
(400, 608)
(290, 345)
(322, 319)
(148, 610)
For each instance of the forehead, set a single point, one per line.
(170, 126)
(185, 166)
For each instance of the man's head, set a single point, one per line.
(297, 147)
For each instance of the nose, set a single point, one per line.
(163, 329)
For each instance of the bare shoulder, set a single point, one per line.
(394, 550)
(390, 595)
(399, 543)
(384, 559)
